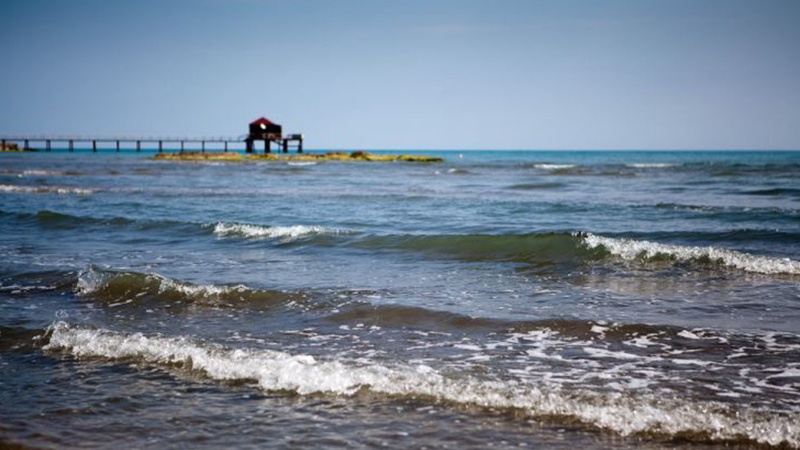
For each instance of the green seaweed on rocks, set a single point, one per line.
(329, 156)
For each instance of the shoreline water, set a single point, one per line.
(507, 299)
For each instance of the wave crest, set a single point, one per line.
(123, 288)
(630, 249)
(546, 250)
(283, 233)
(304, 374)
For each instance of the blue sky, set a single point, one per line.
(410, 74)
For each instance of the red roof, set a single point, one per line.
(263, 121)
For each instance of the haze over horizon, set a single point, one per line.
(413, 74)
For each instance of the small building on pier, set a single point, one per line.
(263, 129)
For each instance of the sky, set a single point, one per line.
(409, 74)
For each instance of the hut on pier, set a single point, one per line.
(263, 129)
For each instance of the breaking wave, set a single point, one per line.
(132, 288)
(283, 233)
(575, 249)
(625, 413)
(630, 249)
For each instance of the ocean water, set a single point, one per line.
(590, 300)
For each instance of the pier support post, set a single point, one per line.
(248, 145)
(26, 145)
(181, 146)
(138, 146)
(300, 145)
(285, 146)
(117, 146)
(202, 146)
(226, 146)
(160, 146)
(47, 145)
(71, 145)
(267, 146)
(94, 146)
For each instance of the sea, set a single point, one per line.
(498, 299)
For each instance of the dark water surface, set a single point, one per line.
(499, 299)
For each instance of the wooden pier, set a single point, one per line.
(160, 144)
(261, 129)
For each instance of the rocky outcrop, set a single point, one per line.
(10, 147)
(330, 156)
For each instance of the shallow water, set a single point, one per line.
(498, 299)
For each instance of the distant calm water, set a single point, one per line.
(499, 299)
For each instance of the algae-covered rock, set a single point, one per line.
(358, 155)
(420, 158)
(12, 147)
(329, 156)
(198, 156)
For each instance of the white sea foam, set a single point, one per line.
(42, 172)
(603, 353)
(13, 189)
(19, 289)
(631, 249)
(688, 335)
(305, 374)
(788, 373)
(90, 280)
(650, 165)
(285, 233)
(196, 290)
(545, 166)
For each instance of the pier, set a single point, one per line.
(115, 143)
(259, 130)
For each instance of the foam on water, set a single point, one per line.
(197, 290)
(43, 172)
(284, 233)
(90, 280)
(13, 189)
(623, 412)
(631, 249)
(37, 172)
(651, 165)
(545, 166)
